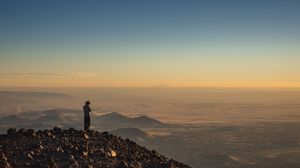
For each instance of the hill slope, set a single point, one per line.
(116, 120)
(73, 148)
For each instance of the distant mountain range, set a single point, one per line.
(117, 120)
(68, 118)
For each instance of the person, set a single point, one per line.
(87, 119)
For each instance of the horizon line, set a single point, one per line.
(171, 87)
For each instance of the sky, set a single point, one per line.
(134, 43)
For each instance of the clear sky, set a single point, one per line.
(186, 43)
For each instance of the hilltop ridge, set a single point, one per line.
(76, 148)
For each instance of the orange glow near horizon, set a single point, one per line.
(95, 82)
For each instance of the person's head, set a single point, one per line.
(87, 102)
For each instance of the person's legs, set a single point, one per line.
(84, 123)
(87, 123)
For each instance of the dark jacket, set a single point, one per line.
(86, 110)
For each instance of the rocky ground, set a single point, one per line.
(73, 148)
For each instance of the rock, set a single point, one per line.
(12, 131)
(112, 153)
(21, 131)
(3, 161)
(29, 132)
(52, 163)
(85, 136)
(48, 133)
(71, 157)
(74, 165)
(41, 147)
(123, 164)
(89, 166)
(57, 130)
(29, 156)
(85, 153)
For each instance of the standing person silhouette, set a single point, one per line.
(87, 119)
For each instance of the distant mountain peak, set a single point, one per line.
(114, 115)
(146, 119)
